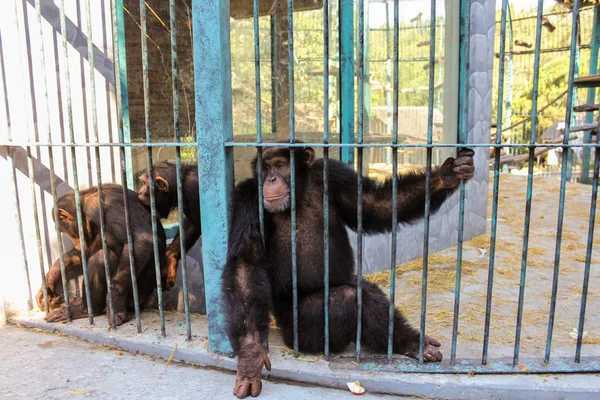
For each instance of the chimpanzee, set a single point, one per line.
(165, 181)
(257, 279)
(118, 253)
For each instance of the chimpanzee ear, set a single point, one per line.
(62, 214)
(162, 184)
(309, 155)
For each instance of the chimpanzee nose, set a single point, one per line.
(271, 179)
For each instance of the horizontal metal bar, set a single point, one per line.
(318, 145)
(499, 366)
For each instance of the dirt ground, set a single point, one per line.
(538, 289)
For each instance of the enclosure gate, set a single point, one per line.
(215, 151)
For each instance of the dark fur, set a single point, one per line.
(257, 280)
(166, 200)
(269, 270)
(118, 257)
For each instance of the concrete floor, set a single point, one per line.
(37, 365)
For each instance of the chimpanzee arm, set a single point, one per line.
(377, 196)
(173, 254)
(247, 291)
(53, 277)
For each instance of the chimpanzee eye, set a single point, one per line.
(280, 165)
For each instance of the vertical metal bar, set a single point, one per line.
(71, 134)
(536, 72)
(25, 66)
(463, 126)
(346, 78)
(274, 76)
(212, 78)
(359, 175)
(563, 184)
(494, 227)
(90, 44)
(326, 171)
(44, 88)
(259, 166)
(573, 120)
(175, 79)
(30, 166)
(588, 257)
(392, 309)
(120, 52)
(157, 260)
(290, 11)
(122, 123)
(427, 212)
(591, 95)
(19, 225)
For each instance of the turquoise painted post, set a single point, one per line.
(591, 96)
(122, 55)
(346, 21)
(212, 72)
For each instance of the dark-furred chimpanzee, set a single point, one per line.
(257, 280)
(165, 183)
(118, 253)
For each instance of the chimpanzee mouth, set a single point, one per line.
(275, 198)
(277, 204)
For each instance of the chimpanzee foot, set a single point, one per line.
(59, 315)
(120, 317)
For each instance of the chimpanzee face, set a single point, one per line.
(67, 221)
(276, 183)
(276, 175)
(162, 194)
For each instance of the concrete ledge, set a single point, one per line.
(315, 370)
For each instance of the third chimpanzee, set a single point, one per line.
(118, 253)
(165, 182)
(257, 279)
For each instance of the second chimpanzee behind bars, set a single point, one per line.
(257, 279)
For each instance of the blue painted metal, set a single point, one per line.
(157, 260)
(19, 225)
(44, 88)
(563, 180)
(107, 271)
(259, 164)
(175, 83)
(120, 82)
(591, 95)
(500, 366)
(588, 258)
(463, 131)
(326, 173)
(290, 11)
(67, 91)
(274, 76)
(575, 72)
(212, 72)
(24, 143)
(25, 65)
(494, 227)
(427, 210)
(534, 115)
(359, 175)
(346, 78)
(123, 99)
(392, 309)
